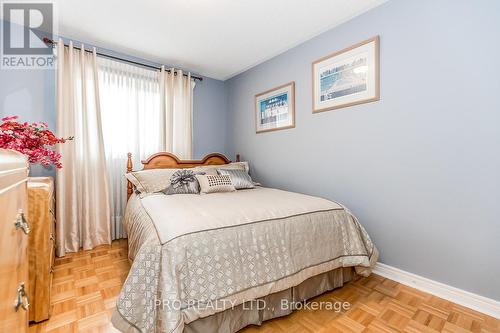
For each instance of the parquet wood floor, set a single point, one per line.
(87, 283)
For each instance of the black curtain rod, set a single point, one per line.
(49, 41)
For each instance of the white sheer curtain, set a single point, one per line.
(83, 211)
(132, 122)
(177, 103)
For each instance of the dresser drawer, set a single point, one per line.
(13, 246)
(42, 243)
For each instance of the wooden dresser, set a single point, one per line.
(14, 229)
(41, 245)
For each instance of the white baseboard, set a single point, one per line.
(476, 302)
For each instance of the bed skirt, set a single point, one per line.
(234, 319)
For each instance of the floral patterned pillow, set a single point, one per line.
(183, 182)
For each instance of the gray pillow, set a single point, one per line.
(240, 178)
(183, 182)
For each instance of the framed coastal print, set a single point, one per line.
(347, 77)
(275, 108)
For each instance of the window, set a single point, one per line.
(131, 122)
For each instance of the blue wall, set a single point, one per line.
(31, 95)
(210, 118)
(421, 167)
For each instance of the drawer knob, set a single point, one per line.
(22, 299)
(22, 223)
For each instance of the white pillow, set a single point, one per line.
(215, 183)
(212, 169)
(151, 181)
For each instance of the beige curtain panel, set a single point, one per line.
(176, 100)
(83, 209)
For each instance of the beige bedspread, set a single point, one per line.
(196, 255)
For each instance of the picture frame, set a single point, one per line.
(275, 108)
(347, 77)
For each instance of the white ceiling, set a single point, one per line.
(215, 38)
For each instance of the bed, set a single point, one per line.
(222, 261)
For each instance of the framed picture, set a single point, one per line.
(347, 77)
(275, 108)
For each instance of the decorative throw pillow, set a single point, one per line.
(215, 183)
(151, 181)
(240, 178)
(183, 182)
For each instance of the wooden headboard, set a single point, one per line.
(166, 160)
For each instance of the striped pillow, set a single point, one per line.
(240, 178)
